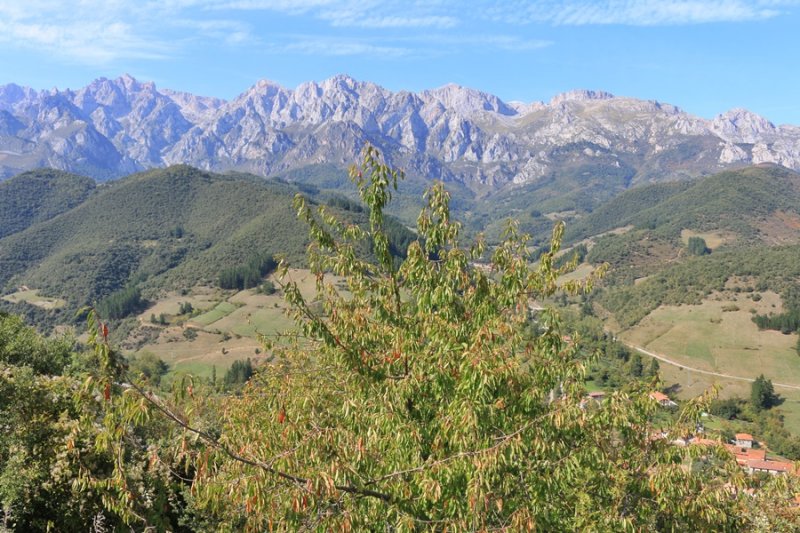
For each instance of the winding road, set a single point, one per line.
(699, 371)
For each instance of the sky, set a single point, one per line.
(706, 56)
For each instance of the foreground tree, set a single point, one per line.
(429, 396)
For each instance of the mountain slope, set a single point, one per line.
(178, 222)
(577, 141)
(39, 195)
(172, 227)
(754, 203)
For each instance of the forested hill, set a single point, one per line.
(39, 195)
(755, 204)
(167, 227)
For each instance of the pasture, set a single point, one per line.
(33, 297)
(720, 336)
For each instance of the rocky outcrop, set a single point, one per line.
(112, 127)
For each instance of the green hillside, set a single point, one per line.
(761, 268)
(39, 195)
(749, 202)
(406, 203)
(167, 228)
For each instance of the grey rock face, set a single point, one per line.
(113, 127)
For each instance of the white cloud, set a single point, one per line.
(99, 32)
(87, 42)
(311, 45)
(637, 12)
(393, 21)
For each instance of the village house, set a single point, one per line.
(744, 440)
(596, 396)
(744, 455)
(662, 399)
(771, 467)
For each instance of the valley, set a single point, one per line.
(695, 284)
(337, 266)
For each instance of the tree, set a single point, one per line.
(653, 369)
(239, 373)
(635, 365)
(762, 393)
(52, 443)
(727, 409)
(429, 397)
(697, 246)
(149, 367)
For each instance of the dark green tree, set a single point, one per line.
(635, 365)
(149, 367)
(727, 409)
(239, 373)
(762, 393)
(697, 246)
(653, 369)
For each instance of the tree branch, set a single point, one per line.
(215, 443)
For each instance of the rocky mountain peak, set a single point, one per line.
(112, 127)
(580, 95)
(741, 125)
(467, 101)
(12, 94)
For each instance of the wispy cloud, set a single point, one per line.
(354, 13)
(391, 21)
(637, 12)
(87, 42)
(100, 32)
(324, 46)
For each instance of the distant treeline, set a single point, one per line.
(578, 253)
(788, 321)
(400, 237)
(122, 303)
(248, 275)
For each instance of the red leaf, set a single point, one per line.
(107, 392)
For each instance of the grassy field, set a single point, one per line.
(227, 330)
(713, 239)
(718, 337)
(203, 298)
(198, 356)
(33, 297)
(221, 310)
(581, 272)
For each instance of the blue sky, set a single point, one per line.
(706, 56)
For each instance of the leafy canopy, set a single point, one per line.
(430, 396)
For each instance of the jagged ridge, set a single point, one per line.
(113, 127)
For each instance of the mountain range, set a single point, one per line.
(114, 127)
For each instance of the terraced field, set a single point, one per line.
(226, 325)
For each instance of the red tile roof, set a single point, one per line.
(659, 396)
(773, 466)
(744, 436)
(743, 455)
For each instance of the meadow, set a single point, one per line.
(227, 325)
(719, 336)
